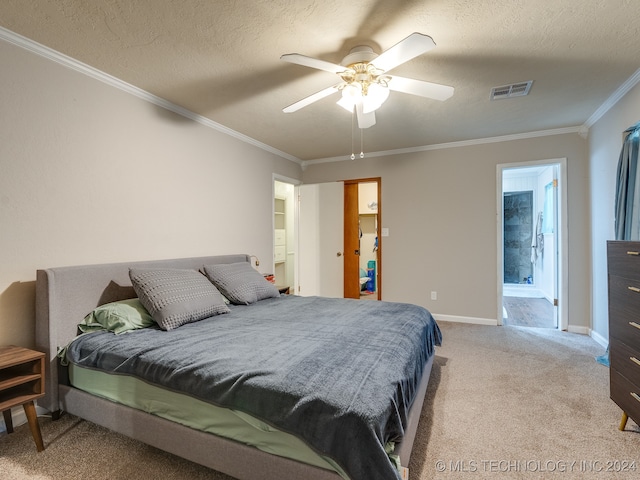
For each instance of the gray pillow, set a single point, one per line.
(240, 282)
(174, 297)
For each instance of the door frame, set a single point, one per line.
(291, 181)
(562, 265)
(347, 229)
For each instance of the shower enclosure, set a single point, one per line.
(518, 231)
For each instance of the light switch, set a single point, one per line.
(385, 232)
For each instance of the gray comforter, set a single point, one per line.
(340, 374)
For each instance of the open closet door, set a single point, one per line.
(351, 242)
(320, 239)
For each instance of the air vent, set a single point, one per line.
(514, 90)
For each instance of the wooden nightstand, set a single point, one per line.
(21, 382)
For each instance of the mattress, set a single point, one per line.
(338, 374)
(197, 414)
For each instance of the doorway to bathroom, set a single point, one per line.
(531, 244)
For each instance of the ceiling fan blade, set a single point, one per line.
(311, 99)
(418, 87)
(403, 51)
(365, 120)
(312, 62)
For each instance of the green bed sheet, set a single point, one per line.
(197, 414)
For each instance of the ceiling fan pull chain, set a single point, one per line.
(353, 120)
(361, 143)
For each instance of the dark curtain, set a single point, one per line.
(627, 205)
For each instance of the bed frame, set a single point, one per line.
(65, 295)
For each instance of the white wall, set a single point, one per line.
(605, 142)
(91, 174)
(440, 209)
(545, 268)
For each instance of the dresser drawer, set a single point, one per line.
(623, 259)
(625, 394)
(625, 360)
(624, 310)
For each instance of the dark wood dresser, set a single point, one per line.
(623, 259)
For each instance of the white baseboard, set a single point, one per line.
(587, 331)
(599, 338)
(522, 291)
(458, 319)
(492, 322)
(578, 329)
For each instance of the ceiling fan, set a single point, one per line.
(364, 79)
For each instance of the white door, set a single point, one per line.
(320, 239)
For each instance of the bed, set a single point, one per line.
(65, 295)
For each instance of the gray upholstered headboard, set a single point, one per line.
(65, 295)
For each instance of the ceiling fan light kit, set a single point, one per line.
(349, 97)
(376, 96)
(365, 84)
(353, 93)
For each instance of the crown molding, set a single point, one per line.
(53, 55)
(582, 130)
(615, 97)
(442, 146)
(50, 54)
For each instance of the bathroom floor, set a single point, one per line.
(527, 312)
(368, 296)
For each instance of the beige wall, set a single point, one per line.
(440, 209)
(605, 142)
(91, 174)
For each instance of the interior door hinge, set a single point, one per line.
(555, 302)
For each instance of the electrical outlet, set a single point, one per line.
(434, 295)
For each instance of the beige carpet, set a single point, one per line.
(503, 403)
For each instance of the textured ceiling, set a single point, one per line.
(221, 59)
